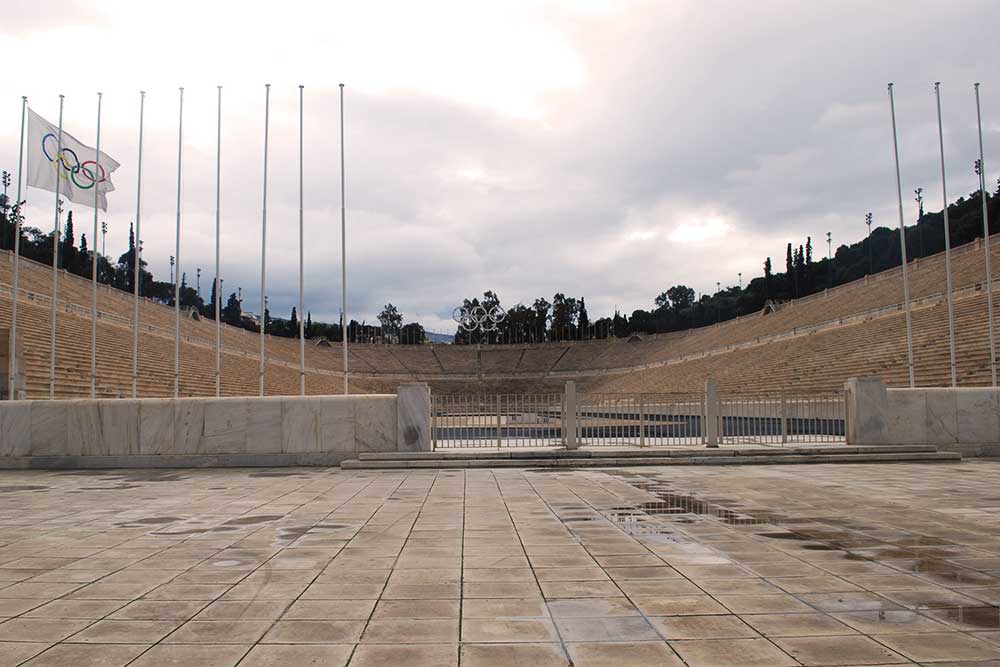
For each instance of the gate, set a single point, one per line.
(783, 417)
(500, 420)
(638, 420)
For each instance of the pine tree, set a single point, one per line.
(767, 278)
(68, 249)
(84, 256)
(789, 269)
(583, 319)
(293, 323)
(210, 309)
(309, 324)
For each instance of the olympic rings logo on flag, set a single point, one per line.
(68, 165)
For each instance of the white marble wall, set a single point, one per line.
(187, 426)
(928, 416)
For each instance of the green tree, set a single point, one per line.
(583, 320)
(391, 320)
(67, 249)
(767, 277)
(564, 312)
(681, 297)
(84, 260)
(232, 313)
(541, 319)
(412, 334)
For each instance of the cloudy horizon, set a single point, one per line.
(604, 150)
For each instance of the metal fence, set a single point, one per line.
(638, 420)
(782, 417)
(502, 420)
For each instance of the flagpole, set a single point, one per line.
(302, 278)
(136, 270)
(93, 269)
(57, 164)
(177, 256)
(263, 239)
(17, 252)
(902, 243)
(343, 243)
(947, 242)
(218, 296)
(986, 240)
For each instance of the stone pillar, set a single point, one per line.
(569, 417)
(413, 417)
(711, 413)
(867, 407)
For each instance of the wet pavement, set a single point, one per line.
(706, 566)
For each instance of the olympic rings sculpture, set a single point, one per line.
(478, 317)
(68, 166)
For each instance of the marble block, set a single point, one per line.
(48, 428)
(978, 415)
(15, 428)
(300, 419)
(226, 422)
(156, 426)
(906, 417)
(940, 416)
(189, 426)
(867, 411)
(264, 426)
(375, 424)
(413, 417)
(83, 429)
(338, 424)
(119, 427)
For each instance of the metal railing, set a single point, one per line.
(500, 420)
(776, 418)
(640, 420)
(783, 417)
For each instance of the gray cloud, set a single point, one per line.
(759, 123)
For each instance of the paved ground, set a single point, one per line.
(769, 566)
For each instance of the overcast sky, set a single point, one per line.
(602, 149)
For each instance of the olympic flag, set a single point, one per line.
(74, 167)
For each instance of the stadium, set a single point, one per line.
(797, 468)
(815, 342)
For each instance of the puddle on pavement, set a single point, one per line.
(657, 522)
(193, 531)
(276, 473)
(251, 520)
(943, 571)
(984, 618)
(25, 487)
(888, 617)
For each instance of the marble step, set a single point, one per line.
(603, 461)
(621, 452)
